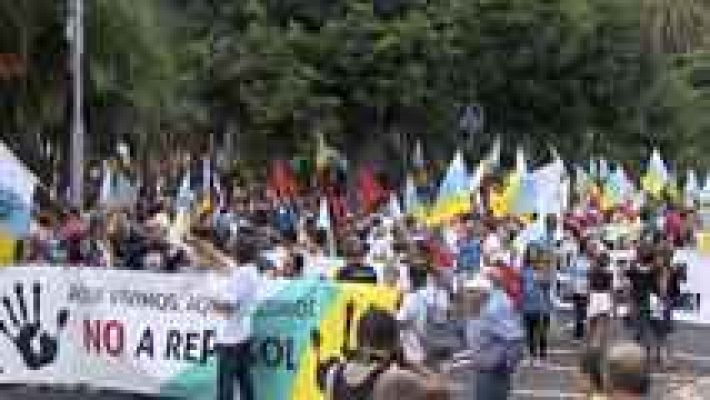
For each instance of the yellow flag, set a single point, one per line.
(498, 204)
(7, 249)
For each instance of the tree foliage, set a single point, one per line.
(372, 74)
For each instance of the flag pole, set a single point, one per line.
(76, 30)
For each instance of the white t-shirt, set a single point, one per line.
(317, 265)
(600, 303)
(491, 245)
(411, 313)
(404, 283)
(380, 249)
(241, 292)
(451, 238)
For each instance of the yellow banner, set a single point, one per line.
(704, 243)
(301, 328)
(7, 250)
(342, 316)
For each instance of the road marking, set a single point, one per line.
(565, 368)
(691, 357)
(563, 352)
(546, 394)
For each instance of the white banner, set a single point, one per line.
(695, 291)
(141, 332)
(154, 333)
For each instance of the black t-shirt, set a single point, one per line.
(600, 280)
(357, 273)
(641, 281)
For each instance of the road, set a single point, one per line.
(688, 378)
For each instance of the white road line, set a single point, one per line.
(563, 351)
(678, 355)
(691, 357)
(546, 394)
(565, 368)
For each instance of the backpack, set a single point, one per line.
(340, 390)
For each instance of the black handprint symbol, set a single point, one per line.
(36, 346)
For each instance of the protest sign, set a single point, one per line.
(694, 290)
(154, 333)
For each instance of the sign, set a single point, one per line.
(695, 292)
(154, 334)
(471, 120)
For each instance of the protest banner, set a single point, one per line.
(704, 243)
(694, 290)
(154, 333)
(7, 249)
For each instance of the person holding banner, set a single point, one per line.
(232, 339)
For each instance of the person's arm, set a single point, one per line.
(224, 308)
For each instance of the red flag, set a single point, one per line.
(337, 204)
(370, 191)
(282, 180)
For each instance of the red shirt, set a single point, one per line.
(674, 226)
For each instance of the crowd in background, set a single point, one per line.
(474, 297)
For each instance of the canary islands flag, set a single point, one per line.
(656, 175)
(454, 195)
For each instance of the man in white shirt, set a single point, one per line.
(491, 246)
(232, 338)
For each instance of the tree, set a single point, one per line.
(370, 74)
(674, 26)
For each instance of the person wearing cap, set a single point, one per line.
(492, 342)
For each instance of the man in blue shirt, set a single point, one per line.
(468, 262)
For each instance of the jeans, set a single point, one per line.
(580, 315)
(233, 366)
(537, 327)
(492, 385)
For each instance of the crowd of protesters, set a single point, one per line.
(476, 302)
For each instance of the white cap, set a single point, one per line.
(478, 283)
(499, 257)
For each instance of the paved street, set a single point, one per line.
(687, 379)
